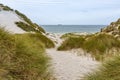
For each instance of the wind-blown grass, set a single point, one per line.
(22, 57)
(67, 35)
(47, 42)
(109, 71)
(72, 42)
(98, 44)
(6, 8)
(7, 50)
(30, 54)
(40, 38)
(25, 27)
(119, 28)
(27, 24)
(32, 26)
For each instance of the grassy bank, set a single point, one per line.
(6, 8)
(109, 71)
(28, 25)
(99, 45)
(22, 57)
(37, 37)
(72, 42)
(67, 35)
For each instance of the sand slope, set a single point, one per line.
(8, 19)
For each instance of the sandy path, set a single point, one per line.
(67, 66)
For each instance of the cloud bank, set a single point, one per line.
(68, 11)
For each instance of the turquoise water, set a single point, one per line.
(72, 28)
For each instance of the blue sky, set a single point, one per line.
(81, 12)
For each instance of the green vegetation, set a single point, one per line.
(118, 21)
(72, 42)
(22, 57)
(36, 27)
(119, 28)
(39, 27)
(28, 25)
(25, 26)
(24, 17)
(67, 35)
(41, 38)
(7, 51)
(47, 42)
(109, 29)
(98, 45)
(6, 8)
(109, 71)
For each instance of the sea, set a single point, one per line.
(73, 28)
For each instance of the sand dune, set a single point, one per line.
(68, 66)
(8, 19)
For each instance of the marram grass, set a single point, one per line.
(72, 42)
(30, 26)
(39, 38)
(22, 58)
(110, 70)
(99, 45)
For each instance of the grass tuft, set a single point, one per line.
(32, 26)
(22, 57)
(72, 42)
(109, 71)
(99, 45)
(6, 8)
(119, 28)
(25, 27)
(40, 38)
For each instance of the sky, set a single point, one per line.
(72, 12)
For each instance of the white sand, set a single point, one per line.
(8, 19)
(68, 66)
(55, 37)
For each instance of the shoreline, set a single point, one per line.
(71, 32)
